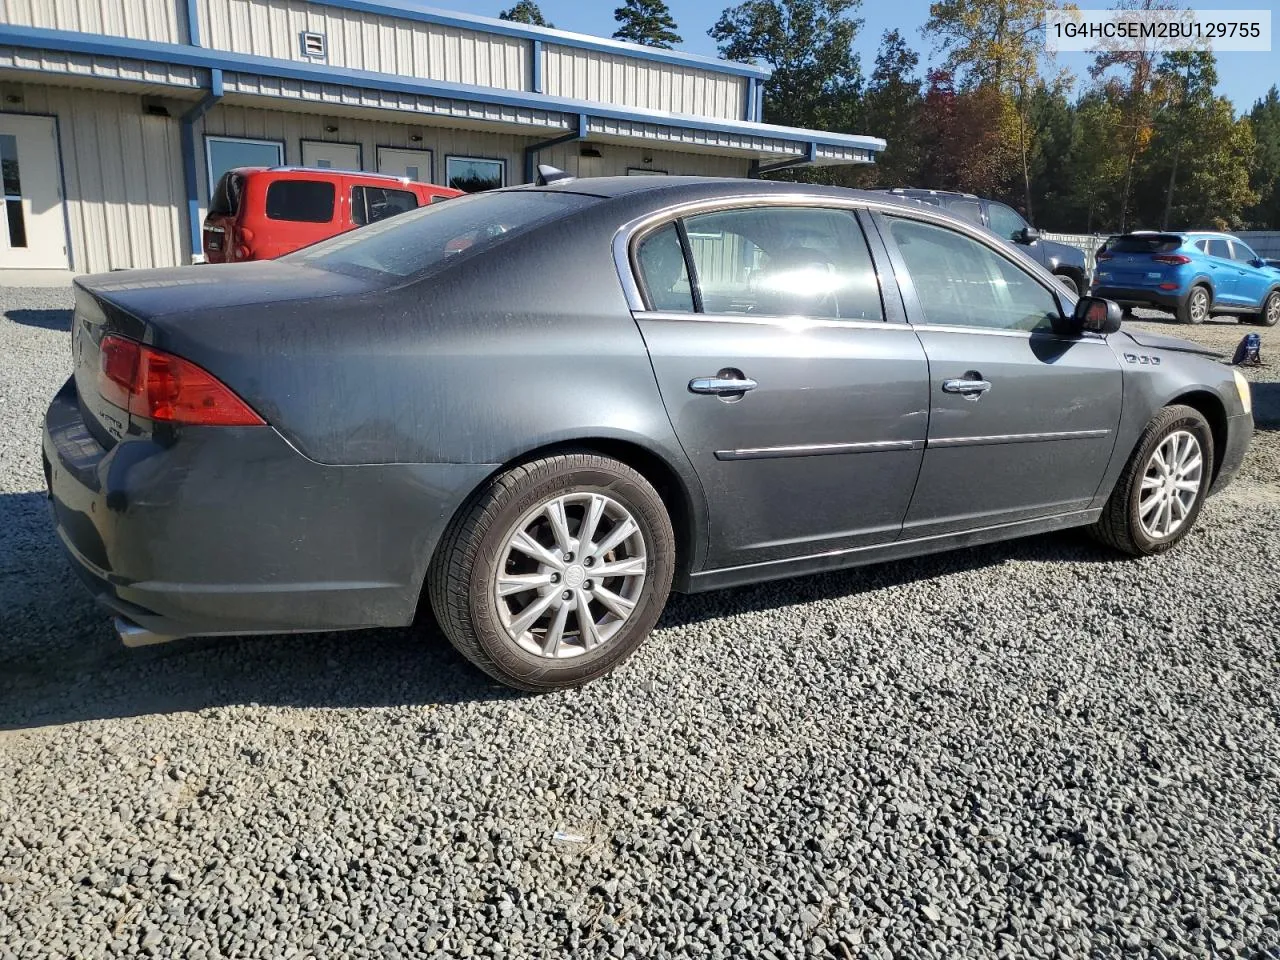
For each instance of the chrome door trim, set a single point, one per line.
(1016, 438)
(818, 449)
(790, 323)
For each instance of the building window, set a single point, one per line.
(473, 174)
(12, 190)
(224, 153)
(302, 201)
(313, 45)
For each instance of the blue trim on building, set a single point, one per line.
(409, 11)
(205, 58)
(190, 177)
(193, 22)
(535, 61)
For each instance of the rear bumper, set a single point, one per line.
(1239, 434)
(1139, 296)
(230, 530)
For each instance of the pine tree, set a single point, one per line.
(648, 22)
(525, 11)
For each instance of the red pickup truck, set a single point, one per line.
(258, 213)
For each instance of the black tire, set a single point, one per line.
(1120, 526)
(1071, 283)
(1269, 315)
(461, 578)
(1188, 307)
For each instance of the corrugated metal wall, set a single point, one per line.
(271, 28)
(160, 20)
(628, 81)
(122, 174)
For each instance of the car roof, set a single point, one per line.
(925, 192)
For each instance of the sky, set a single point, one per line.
(1243, 77)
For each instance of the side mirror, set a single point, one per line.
(1027, 235)
(1257, 262)
(1095, 315)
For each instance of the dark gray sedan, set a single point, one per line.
(539, 410)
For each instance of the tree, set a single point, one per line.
(1187, 79)
(525, 11)
(1128, 77)
(816, 77)
(892, 111)
(969, 141)
(646, 21)
(1265, 118)
(1000, 44)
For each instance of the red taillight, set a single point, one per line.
(1168, 286)
(159, 386)
(1173, 259)
(242, 252)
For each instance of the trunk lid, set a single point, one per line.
(1129, 260)
(151, 305)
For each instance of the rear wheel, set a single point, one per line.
(1159, 495)
(1269, 316)
(556, 572)
(1194, 307)
(1071, 283)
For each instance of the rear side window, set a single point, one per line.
(409, 244)
(970, 210)
(1218, 248)
(782, 262)
(664, 272)
(1144, 244)
(302, 201)
(225, 201)
(371, 204)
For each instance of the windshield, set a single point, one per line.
(413, 242)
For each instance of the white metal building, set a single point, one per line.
(116, 115)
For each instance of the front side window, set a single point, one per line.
(224, 153)
(301, 201)
(371, 204)
(472, 175)
(663, 271)
(1241, 253)
(961, 282)
(1005, 221)
(784, 261)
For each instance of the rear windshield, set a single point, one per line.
(412, 242)
(302, 201)
(225, 201)
(1159, 244)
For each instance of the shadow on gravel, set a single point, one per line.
(45, 319)
(1266, 405)
(61, 663)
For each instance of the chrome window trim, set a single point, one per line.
(631, 231)
(764, 320)
(999, 332)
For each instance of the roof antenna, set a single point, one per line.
(549, 174)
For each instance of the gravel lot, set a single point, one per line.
(1028, 750)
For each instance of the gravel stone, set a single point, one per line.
(1032, 749)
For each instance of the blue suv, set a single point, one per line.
(1193, 274)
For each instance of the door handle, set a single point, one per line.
(722, 385)
(972, 389)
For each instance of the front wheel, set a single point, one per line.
(556, 572)
(1269, 316)
(1159, 495)
(1194, 307)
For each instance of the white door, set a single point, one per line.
(414, 164)
(33, 230)
(331, 156)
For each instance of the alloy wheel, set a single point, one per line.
(1170, 484)
(1199, 305)
(1273, 310)
(571, 574)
